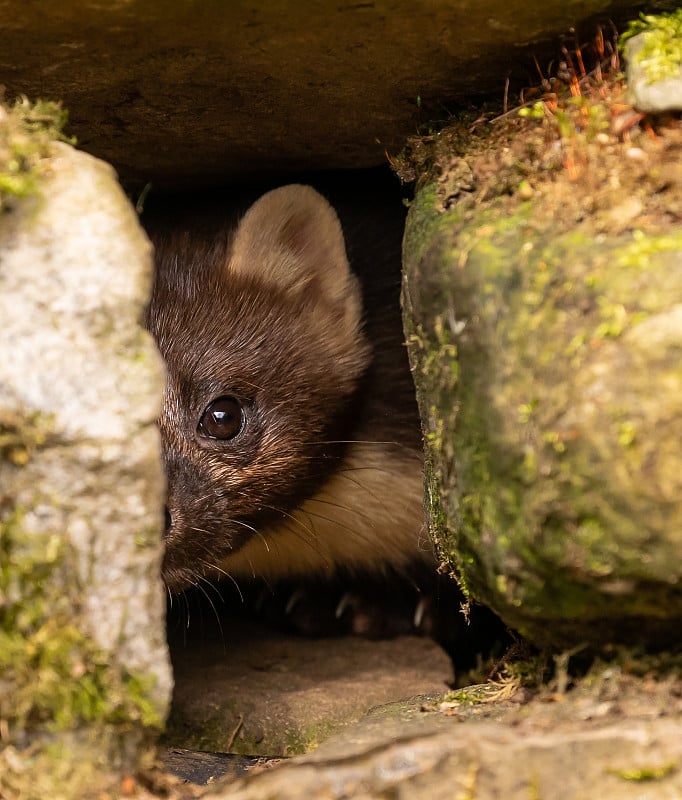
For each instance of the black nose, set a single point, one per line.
(169, 519)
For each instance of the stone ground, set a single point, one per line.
(268, 694)
(611, 734)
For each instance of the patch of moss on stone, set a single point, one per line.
(535, 322)
(54, 676)
(469, 695)
(523, 481)
(212, 735)
(27, 131)
(646, 774)
(303, 741)
(21, 436)
(660, 54)
(225, 733)
(437, 433)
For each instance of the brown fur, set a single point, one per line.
(271, 314)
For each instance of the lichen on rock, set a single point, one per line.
(546, 343)
(82, 645)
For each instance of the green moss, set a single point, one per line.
(521, 509)
(216, 734)
(517, 491)
(534, 789)
(27, 131)
(213, 734)
(646, 774)
(306, 740)
(639, 251)
(661, 52)
(544, 341)
(442, 351)
(21, 436)
(470, 695)
(54, 676)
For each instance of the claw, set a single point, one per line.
(293, 601)
(343, 604)
(419, 612)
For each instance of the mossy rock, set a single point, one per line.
(545, 329)
(85, 674)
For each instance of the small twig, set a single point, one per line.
(579, 56)
(233, 735)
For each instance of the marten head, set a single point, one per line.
(262, 338)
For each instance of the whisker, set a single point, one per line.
(368, 468)
(253, 569)
(244, 525)
(313, 544)
(226, 575)
(204, 580)
(366, 488)
(201, 588)
(332, 520)
(186, 615)
(349, 509)
(304, 533)
(284, 513)
(254, 530)
(354, 441)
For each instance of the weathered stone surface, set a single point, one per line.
(81, 485)
(569, 749)
(546, 337)
(264, 693)
(654, 64)
(190, 93)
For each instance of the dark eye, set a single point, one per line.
(222, 419)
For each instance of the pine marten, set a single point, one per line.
(290, 432)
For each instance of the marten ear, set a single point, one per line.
(291, 238)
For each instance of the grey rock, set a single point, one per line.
(545, 345)
(193, 93)
(507, 752)
(80, 470)
(264, 693)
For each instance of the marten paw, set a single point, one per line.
(374, 607)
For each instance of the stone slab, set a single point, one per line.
(190, 93)
(263, 693)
